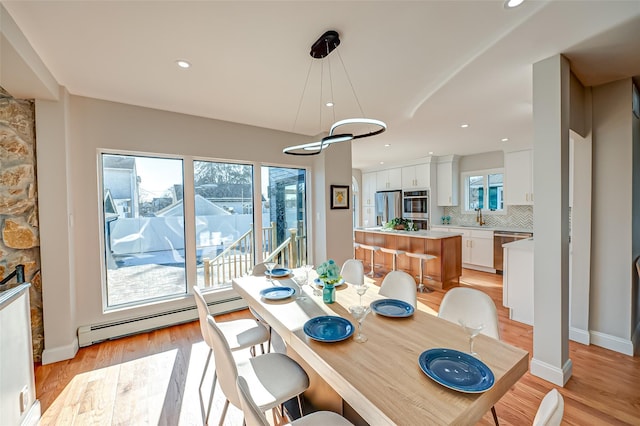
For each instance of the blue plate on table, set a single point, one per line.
(320, 283)
(392, 308)
(328, 328)
(279, 272)
(277, 293)
(456, 370)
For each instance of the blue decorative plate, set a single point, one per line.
(328, 328)
(320, 283)
(278, 272)
(277, 293)
(456, 370)
(392, 308)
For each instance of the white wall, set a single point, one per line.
(612, 253)
(95, 125)
(483, 161)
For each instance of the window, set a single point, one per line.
(483, 190)
(149, 257)
(143, 228)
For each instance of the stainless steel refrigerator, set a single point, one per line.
(388, 206)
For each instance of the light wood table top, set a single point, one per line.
(381, 378)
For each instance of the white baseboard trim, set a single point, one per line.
(60, 353)
(607, 341)
(479, 268)
(32, 418)
(550, 373)
(579, 335)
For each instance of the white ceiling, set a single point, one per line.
(424, 67)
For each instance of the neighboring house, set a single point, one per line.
(121, 180)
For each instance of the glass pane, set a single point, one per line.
(495, 191)
(284, 215)
(224, 221)
(144, 228)
(475, 185)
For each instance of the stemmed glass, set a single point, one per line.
(361, 289)
(359, 312)
(472, 328)
(270, 266)
(301, 280)
(307, 270)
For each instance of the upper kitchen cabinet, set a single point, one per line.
(369, 189)
(388, 180)
(518, 179)
(448, 178)
(416, 177)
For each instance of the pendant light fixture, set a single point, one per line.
(320, 49)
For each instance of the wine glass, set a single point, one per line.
(307, 270)
(301, 280)
(472, 328)
(270, 266)
(361, 289)
(359, 312)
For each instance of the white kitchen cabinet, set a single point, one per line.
(388, 180)
(416, 176)
(517, 281)
(369, 189)
(477, 248)
(518, 180)
(448, 178)
(368, 199)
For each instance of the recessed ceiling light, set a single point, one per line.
(504, 139)
(382, 162)
(430, 152)
(387, 145)
(464, 126)
(183, 64)
(329, 104)
(510, 4)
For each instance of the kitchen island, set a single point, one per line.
(442, 272)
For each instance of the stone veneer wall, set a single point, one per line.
(19, 236)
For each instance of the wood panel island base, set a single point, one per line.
(443, 272)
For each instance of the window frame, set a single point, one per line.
(464, 178)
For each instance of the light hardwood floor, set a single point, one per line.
(152, 378)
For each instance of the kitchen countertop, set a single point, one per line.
(434, 235)
(526, 244)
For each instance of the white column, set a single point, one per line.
(55, 201)
(551, 85)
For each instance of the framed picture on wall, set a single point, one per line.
(339, 196)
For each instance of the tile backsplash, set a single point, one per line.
(515, 217)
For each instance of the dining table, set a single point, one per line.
(380, 381)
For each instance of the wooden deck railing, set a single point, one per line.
(238, 259)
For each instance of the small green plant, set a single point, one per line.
(401, 223)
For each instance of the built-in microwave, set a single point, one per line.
(415, 205)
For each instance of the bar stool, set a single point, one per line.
(394, 252)
(373, 249)
(422, 257)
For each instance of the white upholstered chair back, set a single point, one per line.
(399, 285)
(551, 410)
(463, 303)
(353, 272)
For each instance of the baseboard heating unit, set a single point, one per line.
(91, 334)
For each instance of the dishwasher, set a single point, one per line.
(503, 237)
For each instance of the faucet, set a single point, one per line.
(479, 219)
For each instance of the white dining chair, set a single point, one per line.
(259, 270)
(468, 304)
(399, 285)
(273, 378)
(241, 334)
(353, 272)
(253, 415)
(551, 410)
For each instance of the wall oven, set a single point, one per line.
(415, 205)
